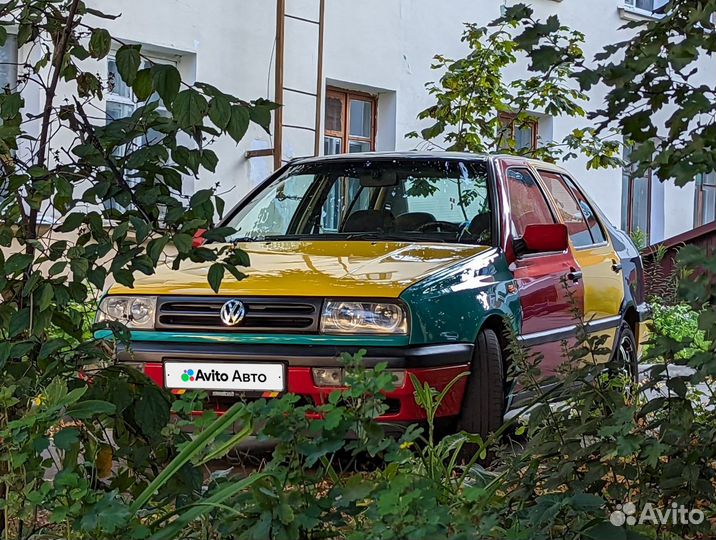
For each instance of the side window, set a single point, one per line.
(528, 204)
(568, 209)
(589, 213)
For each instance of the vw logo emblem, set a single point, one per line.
(232, 312)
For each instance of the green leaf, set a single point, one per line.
(219, 234)
(19, 322)
(220, 111)
(192, 449)
(90, 408)
(209, 159)
(10, 105)
(46, 296)
(189, 108)
(152, 411)
(604, 529)
(128, 61)
(143, 86)
(141, 228)
(100, 43)
(17, 263)
(183, 241)
(215, 275)
(167, 82)
(3, 35)
(239, 122)
(51, 347)
(66, 438)
(156, 247)
(262, 116)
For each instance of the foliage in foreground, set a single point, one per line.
(335, 473)
(122, 469)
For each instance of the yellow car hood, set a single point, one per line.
(313, 268)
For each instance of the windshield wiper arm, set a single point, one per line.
(374, 235)
(246, 239)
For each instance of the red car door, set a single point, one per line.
(549, 285)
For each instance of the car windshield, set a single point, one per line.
(432, 200)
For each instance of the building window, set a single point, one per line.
(8, 80)
(705, 210)
(646, 5)
(121, 103)
(8, 63)
(350, 122)
(639, 10)
(524, 134)
(636, 200)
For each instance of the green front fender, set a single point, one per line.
(452, 305)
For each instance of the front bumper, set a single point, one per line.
(437, 365)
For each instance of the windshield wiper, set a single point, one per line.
(247, 239)
(374, 235)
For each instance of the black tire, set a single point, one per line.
(625, 353)
(483, 407)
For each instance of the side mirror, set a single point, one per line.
(198, 239)
(543, 238)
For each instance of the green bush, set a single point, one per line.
(679, 324)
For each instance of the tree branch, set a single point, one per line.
(111, 165)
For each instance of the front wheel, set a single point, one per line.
(483, 407)
(625, 355)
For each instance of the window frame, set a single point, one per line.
(346, 96)
(572, 184)
(575, 190)
(648, 176)
(132, 100)
(547, 199)
(12, 82)
(699, 199)
(508, 120)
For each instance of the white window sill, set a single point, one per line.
(631, 13)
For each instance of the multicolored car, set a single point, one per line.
(423, 260)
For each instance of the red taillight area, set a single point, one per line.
(403, 407)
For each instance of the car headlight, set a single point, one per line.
(357, 317)
(133, 311)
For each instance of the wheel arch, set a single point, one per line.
(631, 317)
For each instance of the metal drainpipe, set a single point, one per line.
(319, 82)
(278, 81)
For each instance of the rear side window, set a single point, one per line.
(568, 209)
(528, 204)
(589, 213)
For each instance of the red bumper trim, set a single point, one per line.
(300, 382)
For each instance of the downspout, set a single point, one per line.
(319, 81)
(278, 81)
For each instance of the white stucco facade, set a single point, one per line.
(382, 47)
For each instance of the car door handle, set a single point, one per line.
(574, 275)
(616, 266)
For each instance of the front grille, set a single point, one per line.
(299, 315)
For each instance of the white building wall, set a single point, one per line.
(381, 46)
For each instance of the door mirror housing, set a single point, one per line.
(543, 238)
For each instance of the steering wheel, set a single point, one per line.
(440, 227)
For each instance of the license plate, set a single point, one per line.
(240, 376)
